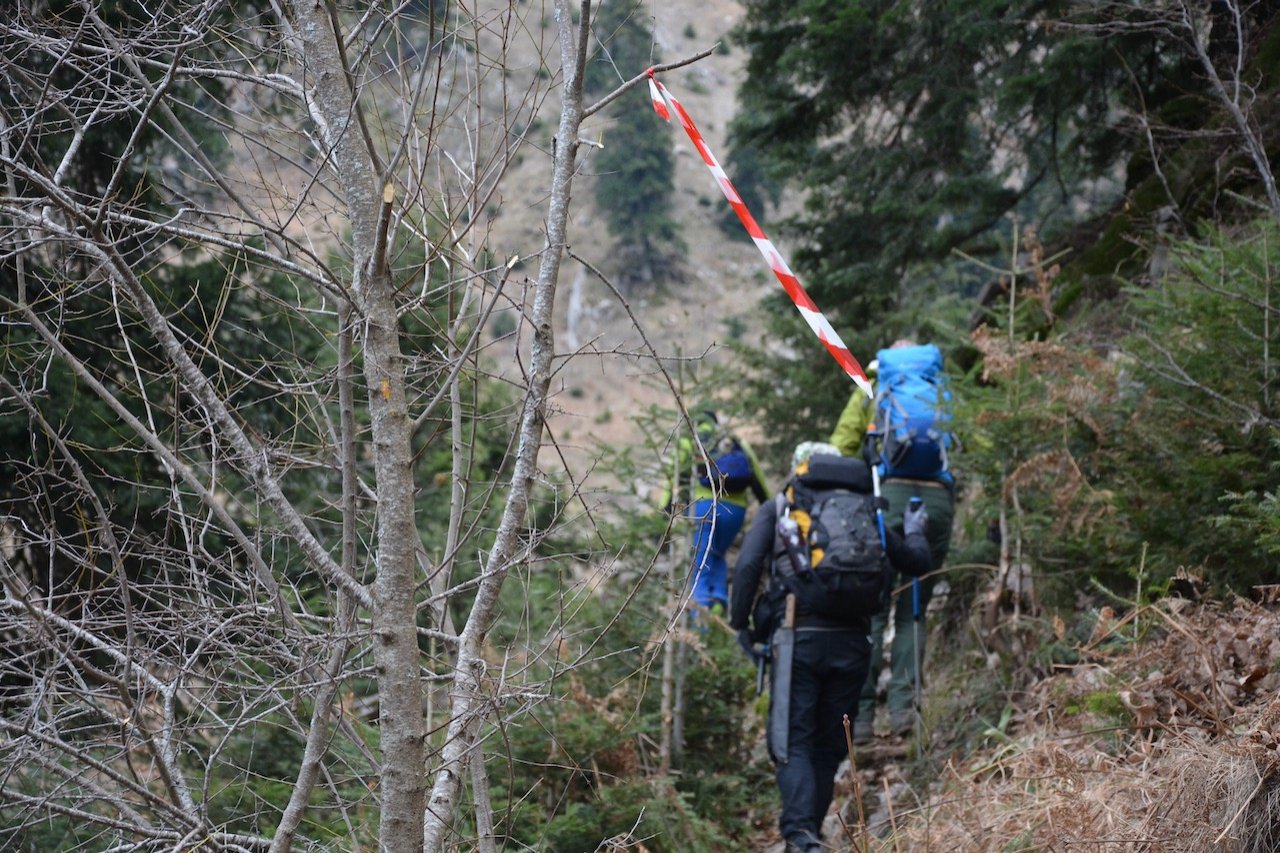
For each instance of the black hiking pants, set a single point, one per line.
(828, 669)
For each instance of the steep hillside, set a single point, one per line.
(1159, 735)
(610, 376)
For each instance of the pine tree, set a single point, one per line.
(636, 167)
(916, 129)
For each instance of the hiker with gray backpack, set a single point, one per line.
(906, 434)
(814, 568)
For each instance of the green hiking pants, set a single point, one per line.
(906, 649)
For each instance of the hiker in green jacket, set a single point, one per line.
(911, 602)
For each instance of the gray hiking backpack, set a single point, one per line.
(836, 563)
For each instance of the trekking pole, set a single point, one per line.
(762, 659)
(871, 452)
(916, 616)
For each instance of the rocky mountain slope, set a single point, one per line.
(610, 376)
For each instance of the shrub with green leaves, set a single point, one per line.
(1145, 459)
(1202, 447)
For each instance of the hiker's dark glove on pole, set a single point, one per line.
(744, 640)
(871, 448)
(914, 518)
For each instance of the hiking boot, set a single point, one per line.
(803, 845)
(863, 731)
(902, 722)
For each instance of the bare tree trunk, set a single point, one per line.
(667, 701)
(332, 100)
(467, 694)
(678, 703)
(485, 840)
(196, 303)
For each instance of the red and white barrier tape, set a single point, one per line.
(664, 103)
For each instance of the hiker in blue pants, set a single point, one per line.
(727, 474)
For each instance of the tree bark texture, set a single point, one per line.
(467, 695)
(334, 106)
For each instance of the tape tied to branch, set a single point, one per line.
(666, 106)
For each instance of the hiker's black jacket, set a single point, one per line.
(907, 554)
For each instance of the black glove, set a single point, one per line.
(914, 517)
(871, 449)
(744, 640)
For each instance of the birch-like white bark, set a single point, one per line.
(466, 695)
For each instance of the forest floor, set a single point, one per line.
(1160, 735)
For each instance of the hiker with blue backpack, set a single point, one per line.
(725, 473)
(906, 434)
(815, 566)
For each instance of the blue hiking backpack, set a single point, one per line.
(729, 468)
(913, 413)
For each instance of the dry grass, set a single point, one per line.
(1168, 744)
